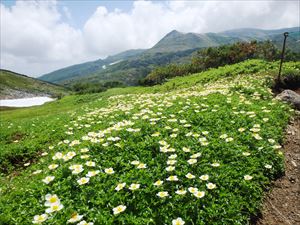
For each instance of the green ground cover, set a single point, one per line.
(199, 149)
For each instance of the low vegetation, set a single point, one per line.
(199, 149)
(219, 56)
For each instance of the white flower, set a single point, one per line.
(142, 166)
(84, 150)
(92, 173)
(202, 139)
(181, 192)
(75, 218)
(192, 190)
(90, 163)
(163, 143)
(241, 129)
(170, 168)
(162, 194)
(192, 161)
(190, 176)
(173, 156)
(199, 194)
(119, 209)
(54, 208)
(48, 179)
(255, 130)
(156, 134)
(37, 172)
(267, 166)
(158, 183)
(204, 177)
(51, 200)
(210, 186)
(58, 155)
(246, 153)
(77, 170)
(173, 135)
(83, 180)
(120, 186)
(276, 147)
(257, 136)
(195, 156)
(134, 186)
(272, 141)
(248, 177)
(178, 221)
(229, 139)
(186, 149)
(171, 162)
(223, 136)
(109, 170)
(215, 164)
(172, 178)
(83, 222)
(40, 218)
(52, 166)
(135, 162)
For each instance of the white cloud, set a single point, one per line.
(35, 40)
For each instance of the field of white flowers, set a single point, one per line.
(197, 155)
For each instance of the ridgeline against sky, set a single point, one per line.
(38, 37)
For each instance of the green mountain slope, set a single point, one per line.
(175, 47)
(200, 149)
(14, 85)
(79, 70)
(177, 41)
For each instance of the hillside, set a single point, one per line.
(14, 85)
(177, 152)
(177, 41)
(83, 69)
(176, 47)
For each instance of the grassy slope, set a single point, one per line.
(236, 197)
(10, 81)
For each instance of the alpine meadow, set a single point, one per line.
(197, 128)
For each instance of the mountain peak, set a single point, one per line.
(173, 32)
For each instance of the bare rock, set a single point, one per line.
(291, 97)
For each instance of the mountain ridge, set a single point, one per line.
(171, 45)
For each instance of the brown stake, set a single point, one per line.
(286, 34)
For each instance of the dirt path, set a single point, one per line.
(282, 204)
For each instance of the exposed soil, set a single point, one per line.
(282, 204)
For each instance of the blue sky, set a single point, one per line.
(41, 36)
(81, 10)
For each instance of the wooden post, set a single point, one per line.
(282, 56)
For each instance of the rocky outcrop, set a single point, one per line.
(290, 97)
(15, 94)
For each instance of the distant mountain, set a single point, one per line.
(176, 47)
(79, 70)
(177, 41)
(257, 34)
(14, 85)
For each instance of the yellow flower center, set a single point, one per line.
(52, 199)
(40, 218)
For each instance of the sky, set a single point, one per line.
(40, 36)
